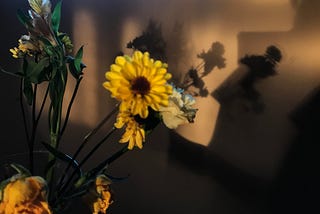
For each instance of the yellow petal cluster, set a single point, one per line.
(139, 82)
(104, 198)
(25, 195)
(134, 133)
(25, 47)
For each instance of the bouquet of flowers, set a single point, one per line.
(139, 83)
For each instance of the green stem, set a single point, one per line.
(70, 106)
(25, 124)
(42, 105)
(34, 102)
(115, 156)
(85, 141)
(63, 188)
(99, 169)
(57, 91)
(23, 112)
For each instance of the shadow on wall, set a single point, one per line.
(253, 147)
(256, 151)
(296, 186)
(239, 90)
(244, 137)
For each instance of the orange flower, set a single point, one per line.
(99, 197)
(25, 195)
(104, 200)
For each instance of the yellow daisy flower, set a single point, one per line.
(134, 134)
(139, 82)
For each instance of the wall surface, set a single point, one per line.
(235, 150)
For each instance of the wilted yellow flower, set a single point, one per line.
(25, 195)
(100, 197)
(139, 82)
(134, 134)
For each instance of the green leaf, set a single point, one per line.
(28, 91)
(78, 59)
(64, 157)
(17, 74)
(36, 72)
(71, 65)
(24, 19)
(45, 41)
(21, 169)
(56, 15)
(75, 64)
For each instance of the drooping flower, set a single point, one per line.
(99, 196)
(139, 82)
(180, 109)
(105, 197)
(25, 195)
(134, 133)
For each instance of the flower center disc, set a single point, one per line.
(140, 85)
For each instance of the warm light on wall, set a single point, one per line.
(85, 33)
(131, 28)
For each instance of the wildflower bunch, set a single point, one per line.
(139, 83)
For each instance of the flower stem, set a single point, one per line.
(25, 124)
(116, 155)
(70, 105)
(63, 188)
(42, 105)
(34, 101)
(22, 111)
(85, 141)
(97, 170)
(97, 146)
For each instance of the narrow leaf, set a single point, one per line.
(78, 59)
(17, 74)
(56, 16)
(21, 169)
(23, 18)
(64, 157)
(71, 65)
(28, 91)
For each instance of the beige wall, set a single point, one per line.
(254, 143)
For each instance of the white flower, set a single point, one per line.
(179, 110)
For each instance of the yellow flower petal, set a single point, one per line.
(120, 60)
(140, 82)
